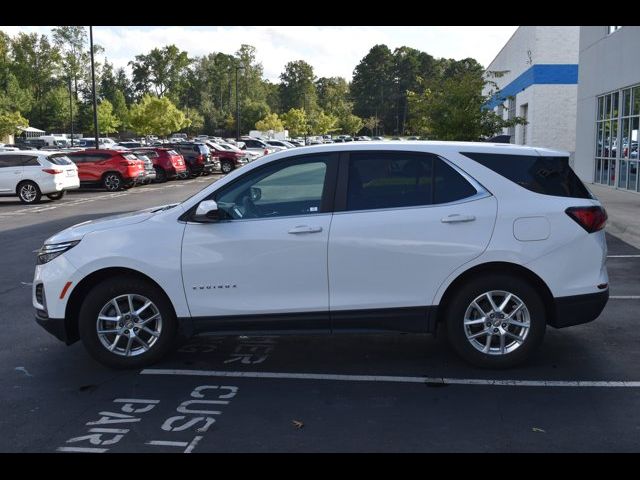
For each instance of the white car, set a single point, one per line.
(496, 241)
(257, 146)
(29, 174)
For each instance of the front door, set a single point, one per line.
(264, 266)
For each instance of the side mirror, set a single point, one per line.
(207, 212)
(256, 193)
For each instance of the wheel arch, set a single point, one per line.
(72, 309)
(498, 267)
(26, 180)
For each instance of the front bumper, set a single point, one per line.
(578, 309)
(55, 326)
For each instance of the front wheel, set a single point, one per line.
(57, 195)
(226, 167)
(126, 322)
(496, 321)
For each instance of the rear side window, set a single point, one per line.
(402, 179)
(541, 174)
(29, 161)
(10, 160)
(59, 160)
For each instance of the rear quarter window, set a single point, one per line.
(540, 174)
(59, 160)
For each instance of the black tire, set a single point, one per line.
(57, 196)
(161, 175)
(112, 181)
(226, 167)
(111, 288)
(463, 298)
(29, 192)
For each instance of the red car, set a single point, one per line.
(229, 160)
(167, 162)
(113, 169)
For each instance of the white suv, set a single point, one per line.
(496, 241)
(29, 174)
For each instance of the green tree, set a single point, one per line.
(270, 122)
(9, 123)
(196, 120)
(251, 112)
(321, 123)
(161, 70)
(297, 87)
(120, 109)
(295, 120)
(454, 108)
(373, 86)
(333, 95)
(75, 58)
(371, 123)
(107, 121)
(54, 112)
(350, 124)
(156, 116)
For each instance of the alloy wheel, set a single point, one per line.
(497, 322)
(28, 193)
(129, 325)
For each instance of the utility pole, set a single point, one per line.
(304, 109)
(93, 83)
(71, 110)
(238, 67)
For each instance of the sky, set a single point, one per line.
(332, 51)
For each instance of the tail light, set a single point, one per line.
(200, 158)
(52, 171)
(591, 219)
(266, 151)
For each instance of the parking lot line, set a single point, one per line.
(624, 297)
(393, 379)
(623, 256)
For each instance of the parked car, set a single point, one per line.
(249, 155)
(29, 175)
(496, 242)
(413, 138)
(378, 138)
(297, 142)
(279, 144)
(112, 169)
(32, 142)
(167, 163)
(256, 146)
(197, 157)
(229, 160)
(129, 144)
(8, 148)
(363, 138)
(149, 171)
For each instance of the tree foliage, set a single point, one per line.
(160, 71)
(10, 121)
(295, 120)
(351, 124)
(107, 121)
(156, 115)
(297, 87)
(270, 122)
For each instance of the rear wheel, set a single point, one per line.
(161, 175)
(57, 195)
(226, 167)
(496, 321)
(112, 182)
(29, 192)
(126, 322)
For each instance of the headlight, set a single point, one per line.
(49, 252)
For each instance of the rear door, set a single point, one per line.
(408, 220)
(10, 173)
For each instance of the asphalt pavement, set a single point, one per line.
(343, 393)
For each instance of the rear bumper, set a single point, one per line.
(578, 309)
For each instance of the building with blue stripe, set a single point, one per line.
(538, 81)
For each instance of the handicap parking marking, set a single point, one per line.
(396, 379)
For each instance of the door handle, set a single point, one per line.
(457, 218)
(305, 229)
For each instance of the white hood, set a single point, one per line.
(76, 232)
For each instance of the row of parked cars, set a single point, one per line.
(32, 174)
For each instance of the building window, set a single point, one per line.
(511, 114)
(617, 125)
(610, 30)
(524, 113)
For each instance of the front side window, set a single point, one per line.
(402, 179)
(10, 160)
(285, 189)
